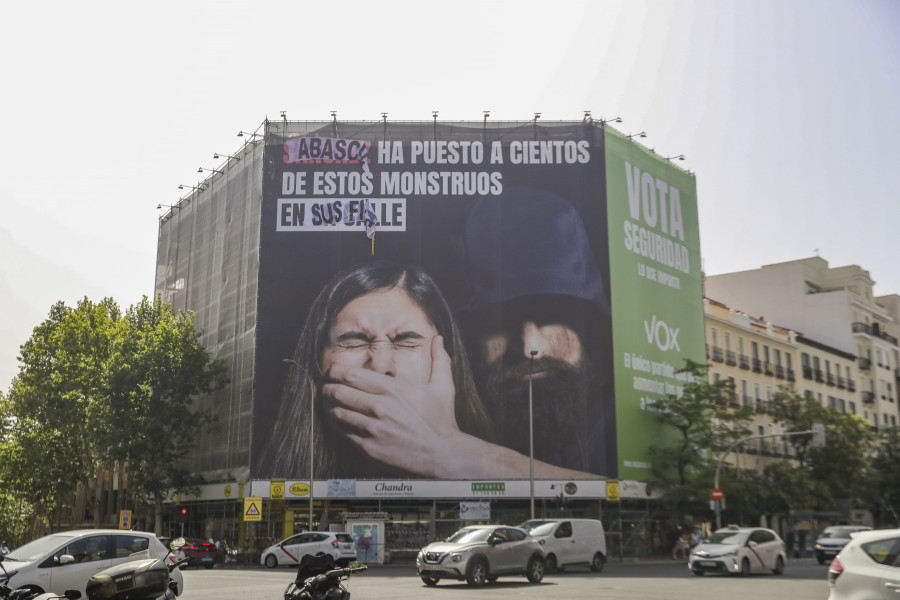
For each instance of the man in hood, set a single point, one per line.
(539, 316)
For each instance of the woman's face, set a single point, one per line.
(384, 331)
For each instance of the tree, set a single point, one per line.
(158, 365)
(699, 421)
(885, 476)
(840, 468)
(53, 401)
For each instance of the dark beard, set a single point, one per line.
(559, 402)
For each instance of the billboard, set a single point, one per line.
(436, 298)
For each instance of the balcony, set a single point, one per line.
(717, 354)
(829, 379)
(864, 363)
(760, 405)
(868, 397)
(790, 375)
(745, 363)
(770, 369)
(730, 358)
(747, 401)
(807, 373)
(779, 372)
(818, 375)
(841, 384)
(851, 385)
(861, 328)
(757, 365)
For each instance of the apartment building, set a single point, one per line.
(837, 308)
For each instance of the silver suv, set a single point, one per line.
(833, 539)
(481, 553)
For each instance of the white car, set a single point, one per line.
(569, 542)
(867, 567)
(291, 550)
(739, 550)
(66, 560)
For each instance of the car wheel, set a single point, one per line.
(477, 572)
(698, 573)
(745, 567)
(597, 563)
(535, 570)
(550, 563)
(271, 561)
(430, 581)
(779, 566)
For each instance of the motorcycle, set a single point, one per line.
(6, 593)
(317, 579)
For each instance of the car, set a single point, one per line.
(739, 551)
(835, 537)
(569, 542)
(480, 554)
(867, 567)
(200, 553)
(67, 559)
(290, 551)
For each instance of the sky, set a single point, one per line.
(787, 111)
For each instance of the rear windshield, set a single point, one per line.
(343, 537)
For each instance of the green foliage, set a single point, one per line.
(840, 469)
(692, 426)
(885, 475)
(97, 388)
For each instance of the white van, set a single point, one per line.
(570, 542)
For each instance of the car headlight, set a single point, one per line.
(456, 557)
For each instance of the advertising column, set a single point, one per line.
(657, 303)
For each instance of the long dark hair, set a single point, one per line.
(335, 456)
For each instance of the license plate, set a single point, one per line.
(431, 567)
(345, 546)
(207, 559)
(707, 563)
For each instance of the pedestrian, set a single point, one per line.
(682, 546)
(3, 549)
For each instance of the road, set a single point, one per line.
(629, 581)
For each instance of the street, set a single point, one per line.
(802, 580)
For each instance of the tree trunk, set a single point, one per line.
(157, 510)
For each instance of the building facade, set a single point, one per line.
(837, 308)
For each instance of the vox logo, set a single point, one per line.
(665, 337)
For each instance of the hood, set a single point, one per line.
(714, 549)
(529, 242)
(446, 547)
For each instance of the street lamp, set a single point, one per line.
(531, 431)
(312, 446)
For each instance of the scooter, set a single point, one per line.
(6, 593)
(317, 579)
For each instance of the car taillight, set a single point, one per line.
(835, 570)
(335, 543)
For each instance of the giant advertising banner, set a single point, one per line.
(437, 298)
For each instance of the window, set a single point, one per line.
(787, 360)
(766, 353)
(804, 359)
(740, 344)
(727, 340)
(777, 354)
(754, 349)
(884, 552)
(564, 530)
(852, 407)
(713, 336)
(129, 544)
(86, 549)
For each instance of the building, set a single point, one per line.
(837, 308)
(474, 205)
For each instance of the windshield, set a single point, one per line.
(38, 548)
(727, 537)
(838, 532)
(465, 536)
(539, 527)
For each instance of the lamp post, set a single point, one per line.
(531, 432)
(312, 446)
